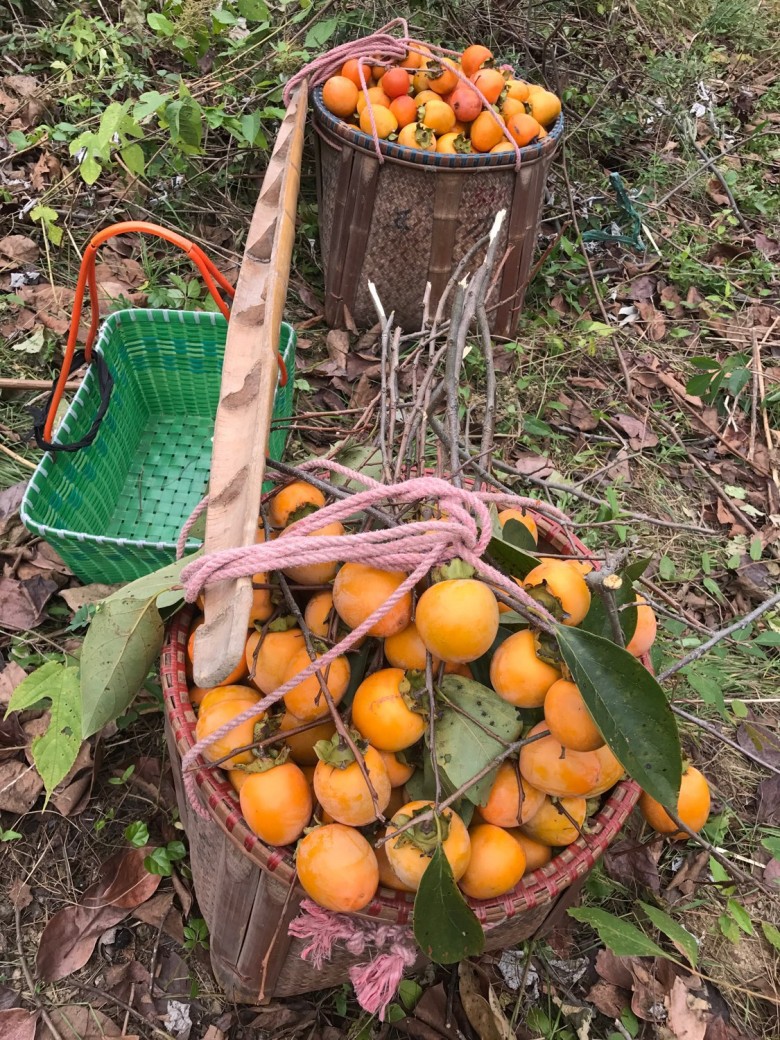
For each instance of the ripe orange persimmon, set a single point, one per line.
(238, 673)
(645, 631)
(512, 799)
(486, 132)
(410, 853)
(262, 604)
(457, 619)
(378, 72)
(536, 854)
(611, 772)
(545, 106)
(425, 96)
(267, 659)
(466, 103)
(277, 803)
(503, 146)
(521, 515)
(301, 745)
(317, 573)
(523, 128)
(398, 772)
(415, 135)
(518, 674)
(489, 82)
(473, 58)
(359, 590)
(337, 868)
(305, 701)
(551, 826)
(565, 582)
(441, 77)
(340, 96)
(237, 778)
(384, 121)
(351, 68)
(693, 807)
(496, 864)
(376, 96)
(568, 718)
(396, 83)
(219, 695)
(318, 613)
(294, 501)
(404, 109)
(197, 693)
(342, 790)
(381, 715)
(406, 650)
(412, 60)
(517, 89)
(551, 768)
(239, 736)
(387, 876)
(437, 116)
(511, 107)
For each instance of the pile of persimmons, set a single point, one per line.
(301, 783)
(423, 102)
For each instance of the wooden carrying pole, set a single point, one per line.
(249, 375)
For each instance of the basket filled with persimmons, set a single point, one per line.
(418, 146)
(443, 716)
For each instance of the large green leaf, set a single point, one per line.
(463, 748)
(630, 709)
(681, 937)
(517, 534)
(151, 585)
(510, 559)
(122, 642)
(40, 684)
(622, 937)
(55, 751)
(597, 619)
(445, 927)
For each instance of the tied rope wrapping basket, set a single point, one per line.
(402, 217)
(266, 939)
(113, 502)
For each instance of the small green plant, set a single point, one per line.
(162, 859)
(9, 835)
(137, 834)
(196, 934)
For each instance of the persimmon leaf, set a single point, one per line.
(445, 927)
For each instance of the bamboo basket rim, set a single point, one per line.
(539, 888)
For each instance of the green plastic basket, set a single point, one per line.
(113, 510)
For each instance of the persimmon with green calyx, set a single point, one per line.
(550, 767)
(562, 583)
(337, 868)
(512, 800)
(410, 852)
(552, 824)
(341, 788)
(568, 718)
(496, 864)
(520, 672)
(293, 502)
(457, 618)
(268, 654)
(382, 711)
(306, 700)
(276, 801)
(359, 590)
(693, 807)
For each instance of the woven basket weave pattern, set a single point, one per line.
(243, 886)
(113, 510)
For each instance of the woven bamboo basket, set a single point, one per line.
(411, 219)
(247, 891)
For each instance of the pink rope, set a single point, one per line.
(375, 981)
(181, 545)
(412, 548)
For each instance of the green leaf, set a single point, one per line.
(121, 645)
(89, 168)
(729, 928)
(158, 862)
(630, 709)
(597, 619)
(666, 568)
(320, 33)
(137, 834)
(517, 534)
(186, 123)
(682, 939)
(55, 751)
(148, 103)
(740, 915)
(445, 927)
(771, 934)
(160, 24)
(708, 689)
(510, 559)
(622, 937)
(721, 876)
(634, 570)
(462, 748)
(42, 683)
(134, 159)
(768, 639)
(409, 993)
(9, 835)
(253, 10)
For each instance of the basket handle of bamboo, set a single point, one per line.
(249, 374)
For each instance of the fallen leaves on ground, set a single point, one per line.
(70, 936)
(23, 603)
(10, 677)
(17, 251)
(634, 864)
(20, 787)
(83, 595)
(20, 894)
(768, 795)
(9, 998)
(80, 1022)
(481, 1004)
(639, 434)
(760, 741)
(18, 1024)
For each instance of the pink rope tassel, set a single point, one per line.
(376, 982)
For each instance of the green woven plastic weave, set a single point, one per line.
(113, 510)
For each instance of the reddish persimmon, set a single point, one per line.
(474, 57)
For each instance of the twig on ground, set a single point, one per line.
(385, 444)
(754, 394)
(85, 986)
(725, 862)
(715, 732)
(17, 458)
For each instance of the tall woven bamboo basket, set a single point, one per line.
(247, 891)
(411, 219)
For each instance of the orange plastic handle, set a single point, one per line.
(211, 277)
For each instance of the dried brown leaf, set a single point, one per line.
(639, 434)
(768, 794)
(80, 595)
(70, 936)
(760, 741)
(10, 677)
(485, 1015)
(654, 320)
(122, 269)
(52, 305)
(581, 416)
(23, 603)
(46, 171)
(71, 796)
(17, 251)
(9, 998)
(80, 1022)
(20, 894)
(159, 913)
(769, 247)
(608, 999)
(20, 786)
(587, 383)
(337, 346)
(634, 864)
(531, 465)
(18, 1024)
(12, 738)
(614, 970)
(689, 1014)
(642, 288)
